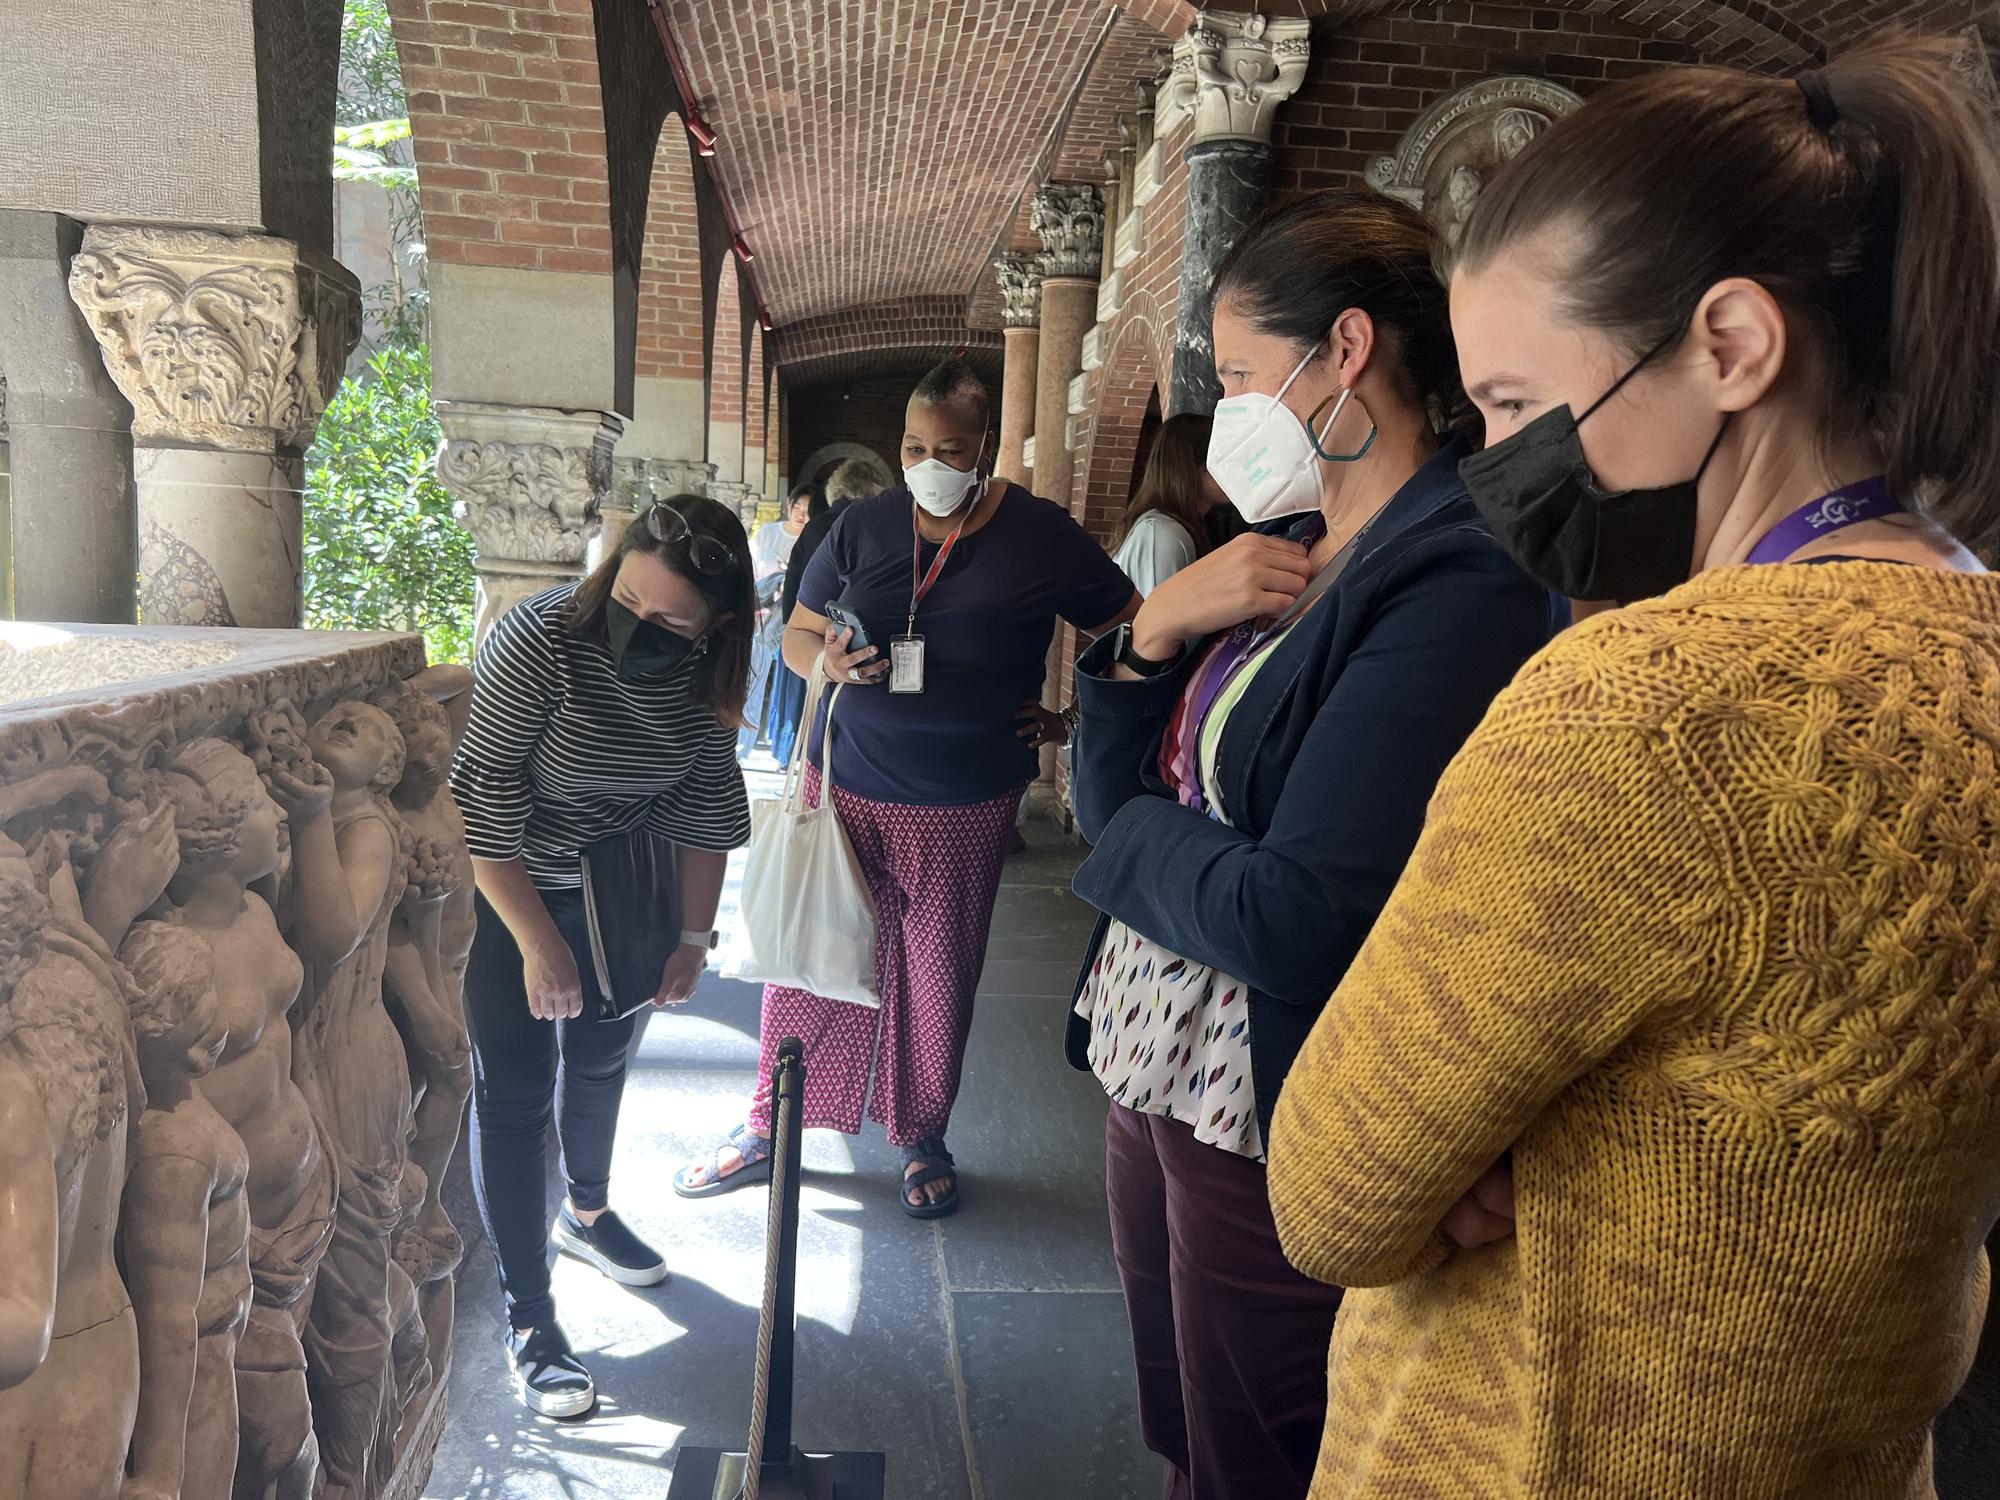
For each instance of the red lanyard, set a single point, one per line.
(921, 582)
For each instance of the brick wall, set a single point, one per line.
(868, 412)
(669, 337)
(753, 405)
(725, 358)
(509, 131)
(1370, 80)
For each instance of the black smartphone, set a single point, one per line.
(846, 619)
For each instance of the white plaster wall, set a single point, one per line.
(145, 114)
(522, 338)
(725, 449)
(667, 419)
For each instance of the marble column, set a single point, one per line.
(1069, 218)
(1231, 71)
(68, 434)
(531, 482)
(228, 347)
(1020, 277)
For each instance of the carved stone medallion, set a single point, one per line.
(1445, 158)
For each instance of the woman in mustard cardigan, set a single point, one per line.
(1702, 940)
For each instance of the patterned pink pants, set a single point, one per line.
(934, 873)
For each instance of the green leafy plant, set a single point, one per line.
(382, 549)
(359, 155)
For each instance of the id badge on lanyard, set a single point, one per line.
(906, 651)
(906, 664)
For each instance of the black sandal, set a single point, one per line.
(937, 1164)
(756, 1153)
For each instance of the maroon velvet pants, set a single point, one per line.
(1231, 1342)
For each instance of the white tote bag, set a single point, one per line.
(808, 920)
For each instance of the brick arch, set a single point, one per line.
(725, 375)
(1135, 368)
(508, 132)
(915, 322)
(669, 343)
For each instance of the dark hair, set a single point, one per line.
(1875, 229)
(1172, 482)
(953, 380)
(1309, 257)
(722, 678)
(809, 492)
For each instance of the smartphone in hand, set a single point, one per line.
(846, 619)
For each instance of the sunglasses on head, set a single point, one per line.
(707, 554)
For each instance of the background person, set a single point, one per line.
(602, 708)
(854, 479)
(926, 783)
(770, 550)
(1179, 513)
(1253, 763)
(1701, 934)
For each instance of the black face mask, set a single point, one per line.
(1536, 492)
(641, 649)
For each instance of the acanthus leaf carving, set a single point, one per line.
(1068, 218)
(219, 340)
(1020, 277)
(530, 483)
(1231, 71)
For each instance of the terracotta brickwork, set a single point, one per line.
(509, 131)
(1371, 79)
(868, 412)
(754, 395)
(669, 338)
(874, 150)
(845, 344)
(725, 355)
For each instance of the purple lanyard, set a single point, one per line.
(1868, 500)
(1235, 653)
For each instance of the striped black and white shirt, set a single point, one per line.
(561, 752)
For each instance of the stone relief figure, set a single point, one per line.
(229, 834)
(1461, 191)
(185, 1233)
(69, 1091)
(1514, 129)
(430, 937)
(347, 878)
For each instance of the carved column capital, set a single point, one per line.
(221, 341)
(738, 496)
(530, 481)
(1069, 219)
(1231, 71)
(1020, 277)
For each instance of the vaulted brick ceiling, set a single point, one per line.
(876, 150)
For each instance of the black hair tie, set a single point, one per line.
(1821, 111)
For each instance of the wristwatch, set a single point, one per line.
(708, 942)
(1145, 666)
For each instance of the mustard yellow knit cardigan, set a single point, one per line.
(1705, 927)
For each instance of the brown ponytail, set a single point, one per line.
(1864, 201)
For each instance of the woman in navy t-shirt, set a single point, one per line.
(959, 583)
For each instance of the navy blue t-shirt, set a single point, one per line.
(986, 624)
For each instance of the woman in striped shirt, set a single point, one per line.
(603, 731)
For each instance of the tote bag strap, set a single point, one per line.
(795, 772)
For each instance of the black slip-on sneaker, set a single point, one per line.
(548, 1378)
(609, 1246)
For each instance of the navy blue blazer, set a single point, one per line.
(1327, 764)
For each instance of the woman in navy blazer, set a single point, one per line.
(1254, 757)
